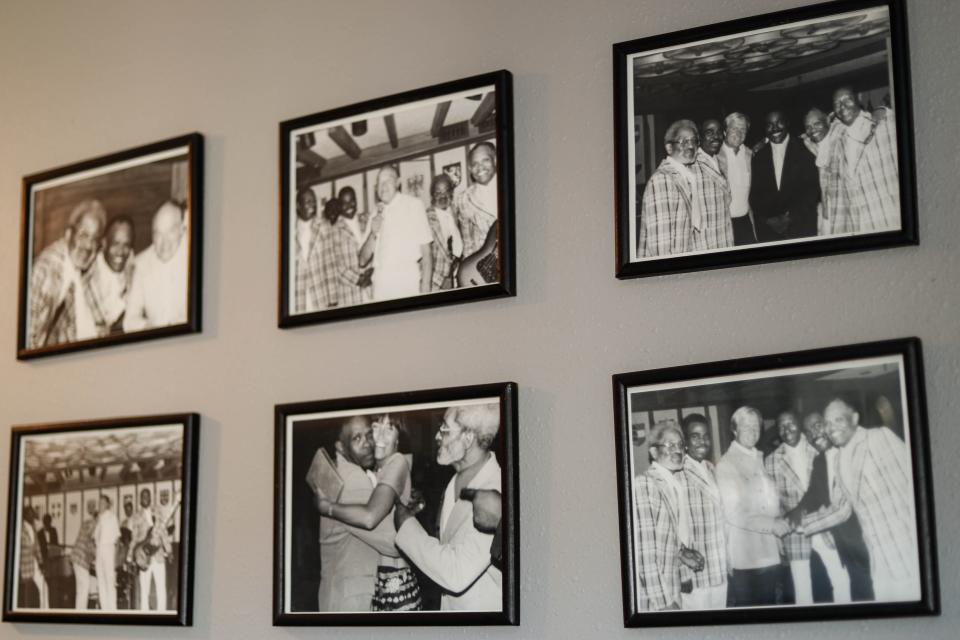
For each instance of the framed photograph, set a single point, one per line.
(111, 249)
(781, 136)
(398, 509)
(101, 521)
(398, 203)
(787, 487)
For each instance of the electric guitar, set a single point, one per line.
(481, 267)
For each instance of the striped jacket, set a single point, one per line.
(873, 479)
(665, 212)
(29, 552)
(791, 492)
(341, 245)
(657, 543)
(713, 199)
(706, 523)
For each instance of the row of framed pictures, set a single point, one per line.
(102, 514)
(407, 201)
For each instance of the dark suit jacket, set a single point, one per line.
(798, 194)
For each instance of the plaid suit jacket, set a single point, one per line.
(713, 198)
(791, 492)
(657, 543)
(873, 479)
(343, 250)
(665, 223)
(442, 258)
(706, 523)
(29, 554)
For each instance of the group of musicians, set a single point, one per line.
(111, 565)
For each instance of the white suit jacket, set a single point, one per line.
(460, 560)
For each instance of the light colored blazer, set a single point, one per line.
(657, 543)
(349, 555)
(459, 561)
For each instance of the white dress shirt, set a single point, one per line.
(158, 295)
(738, 177)
(779, 151)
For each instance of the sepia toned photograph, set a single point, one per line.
(397, 203)
(398, 509)
(100, 523)
(786, 487)
(768, 138)
(111, 249)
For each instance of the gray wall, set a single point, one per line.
(79, 79)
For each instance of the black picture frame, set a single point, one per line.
(189, 424)
(137, 194)
(443, 136)
(629, 261)
(505, 394)
(909, 354)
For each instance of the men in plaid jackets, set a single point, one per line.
(667, 208)
(63, 305)
(339, 253)
(873, 479)
(789, 465)
(311, 279)
(83, 556)
(717, 231)
(447, 244)
(706, 520)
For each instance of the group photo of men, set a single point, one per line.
(109, 254)
(99, 530)
(782, 135)
(415, 523)
(791, 490)
(395, 205)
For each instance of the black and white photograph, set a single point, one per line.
(768, 138)
(100, 522)
(398, 509)
(397, 203)
(787, 487)
(111, 249)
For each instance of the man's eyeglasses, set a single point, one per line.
(670, 446)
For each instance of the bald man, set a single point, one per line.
(158, 295)
(399, 243)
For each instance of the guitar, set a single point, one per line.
(144, 551)
(481, 267)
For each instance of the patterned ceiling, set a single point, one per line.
(102, 448)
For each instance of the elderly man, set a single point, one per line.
(148, 525)
(83, 557)
(716, 229)
(790, 466)
(735, 160)
(447, 242)
(158, 294)
(114, 271)
(309, 282)
(458, 560)
(668, 214)
(105, 535)
(785, 190)
(706, 519)
(349, 555)
(399, 242)
(477, 204)
(63, 304)
(861, 185)
(874, 480)
(751, 508)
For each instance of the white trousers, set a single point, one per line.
(107, 578)
(82, 578)
(156, 572)
(41, 583)
(705, 598)
(839, 578)
(802, 585)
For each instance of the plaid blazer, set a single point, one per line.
(706, 523)
(713, 199)
(29, 553)
(442, 257)
(873, 479)
(665, 223)
(342, 247)
(657, 543)
(309, 286)
(84, 550)
(791, 492)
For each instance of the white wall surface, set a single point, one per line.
(80, 79)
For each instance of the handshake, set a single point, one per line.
(789, 523)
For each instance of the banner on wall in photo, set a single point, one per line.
(101, 521)
(398, 203)
(787, 487)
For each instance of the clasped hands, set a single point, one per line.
(691, 558)
(789, 523)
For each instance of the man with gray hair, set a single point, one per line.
(751, 507)
(664, 532)
(158, 295)
(668, 215)
(735, 160)
(458, 560)
(62, 302)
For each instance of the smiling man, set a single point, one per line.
(668, 216)
(114, 272)
(477, 205)
(735, 159)
(790, 466)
